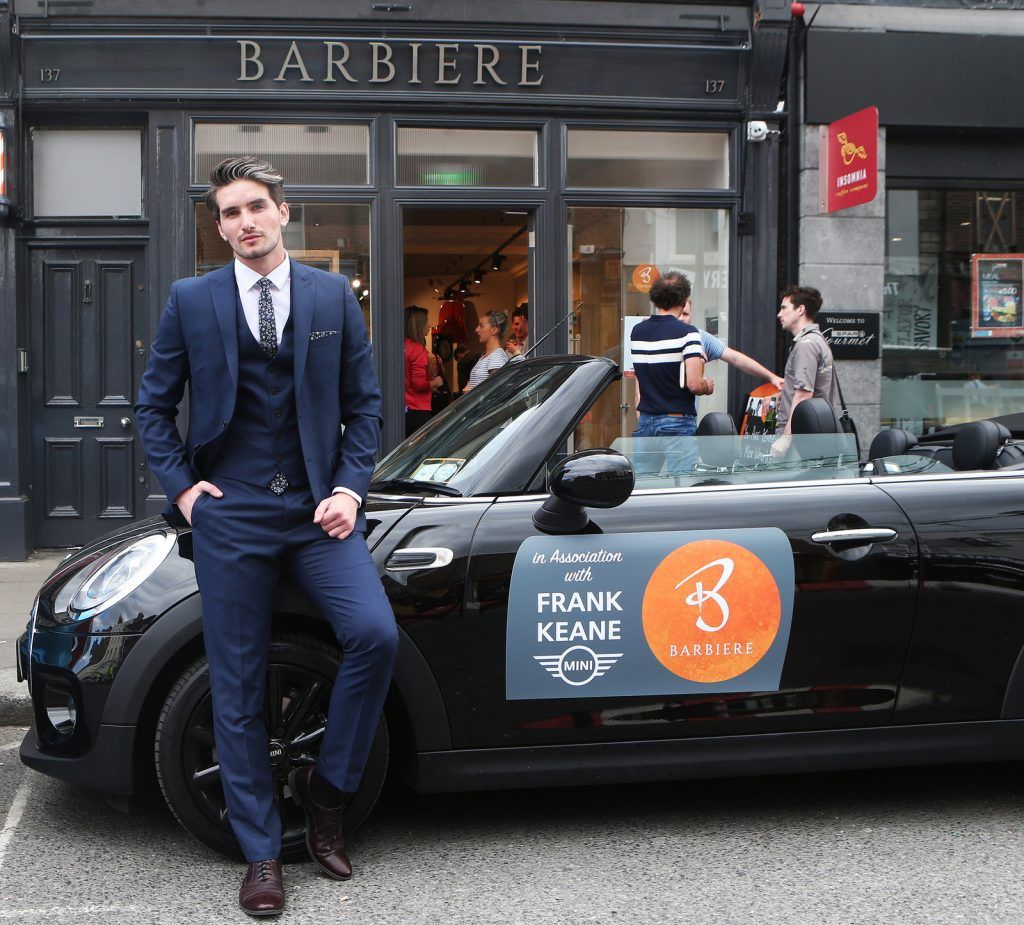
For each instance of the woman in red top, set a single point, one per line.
(419, 386)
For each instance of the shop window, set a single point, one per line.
(953, 324)
(625, 159)
(616, 254)
(466, 157)
(86, 173)
(317, 154)
(328, 235)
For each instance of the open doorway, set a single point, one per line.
(460, 264)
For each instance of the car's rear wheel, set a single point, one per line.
(300, 676)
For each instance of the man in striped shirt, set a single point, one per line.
(668, 359)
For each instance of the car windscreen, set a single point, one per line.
(456, 448)
(661, 462)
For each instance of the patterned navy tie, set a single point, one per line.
(268, 326)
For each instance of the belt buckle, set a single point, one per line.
(278, 484)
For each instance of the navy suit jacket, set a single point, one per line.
(336, 386)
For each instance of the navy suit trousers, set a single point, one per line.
(241, 542)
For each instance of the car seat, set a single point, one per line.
(716, 424)
(720, 453)
(892, 442)
(815, 416)
(985, 445)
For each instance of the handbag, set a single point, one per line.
(846, 422)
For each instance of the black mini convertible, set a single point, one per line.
(576, 605)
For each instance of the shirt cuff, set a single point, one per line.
(347, 491)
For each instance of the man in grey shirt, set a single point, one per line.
(809, 371)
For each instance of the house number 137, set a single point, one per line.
(714, 86)
(49, 75)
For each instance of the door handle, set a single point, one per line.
(421, 557)
(126, 422)
(857, 536)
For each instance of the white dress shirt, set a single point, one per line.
(281, 295)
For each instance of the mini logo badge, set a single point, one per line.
(711, 611)
(578, 665)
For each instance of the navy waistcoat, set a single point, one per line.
(263, 436)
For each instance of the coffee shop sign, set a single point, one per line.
(437, 63)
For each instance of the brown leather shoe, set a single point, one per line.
(262, 891)
(323, 828)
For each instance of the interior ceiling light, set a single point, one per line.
(478, 276)
(496, 261)
(356, 282)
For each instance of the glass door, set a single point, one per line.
(615, 255)
(462, 266)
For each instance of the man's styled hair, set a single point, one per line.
(522, 311)
(243, 168)
(806, 296)
(670, 291)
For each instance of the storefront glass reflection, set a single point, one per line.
(952, 349)
(612, 253)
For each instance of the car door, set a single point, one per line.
(852, 615)
(965, 658)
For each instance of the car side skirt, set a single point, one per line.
(726, 756)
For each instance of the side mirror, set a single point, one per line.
(594, 478)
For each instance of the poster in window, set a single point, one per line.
(911, 308)
(759, 421)
(998, 281)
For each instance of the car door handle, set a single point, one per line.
(861, 535)
(417, 557)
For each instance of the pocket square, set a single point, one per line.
(320, 335)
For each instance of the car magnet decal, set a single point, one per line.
(649, 614)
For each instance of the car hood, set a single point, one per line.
(381, 515)
(383, 512)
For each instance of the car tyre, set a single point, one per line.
(300, 678)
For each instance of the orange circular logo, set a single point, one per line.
(645, 276)
(711, 611)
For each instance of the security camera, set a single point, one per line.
(757, 131)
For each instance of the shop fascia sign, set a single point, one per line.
(848, 161)
(441, 64)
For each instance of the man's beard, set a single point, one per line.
(261, 248)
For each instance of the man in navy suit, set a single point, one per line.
(284, 425)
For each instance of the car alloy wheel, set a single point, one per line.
(300, 678)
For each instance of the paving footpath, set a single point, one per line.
(19, 582)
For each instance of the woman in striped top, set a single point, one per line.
(490, 331)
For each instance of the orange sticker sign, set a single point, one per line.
(711, 611)
(645, 276)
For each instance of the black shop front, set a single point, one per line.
(540, 152)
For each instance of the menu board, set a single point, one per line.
(997, 283)
(759, 421)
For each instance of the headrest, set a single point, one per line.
(815, 416)
(976, 444)
(716, 424)
(893, 442)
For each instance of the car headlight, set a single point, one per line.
(112, 576)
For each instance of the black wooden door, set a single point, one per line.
(87, 309)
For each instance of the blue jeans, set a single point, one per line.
(681, 454)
